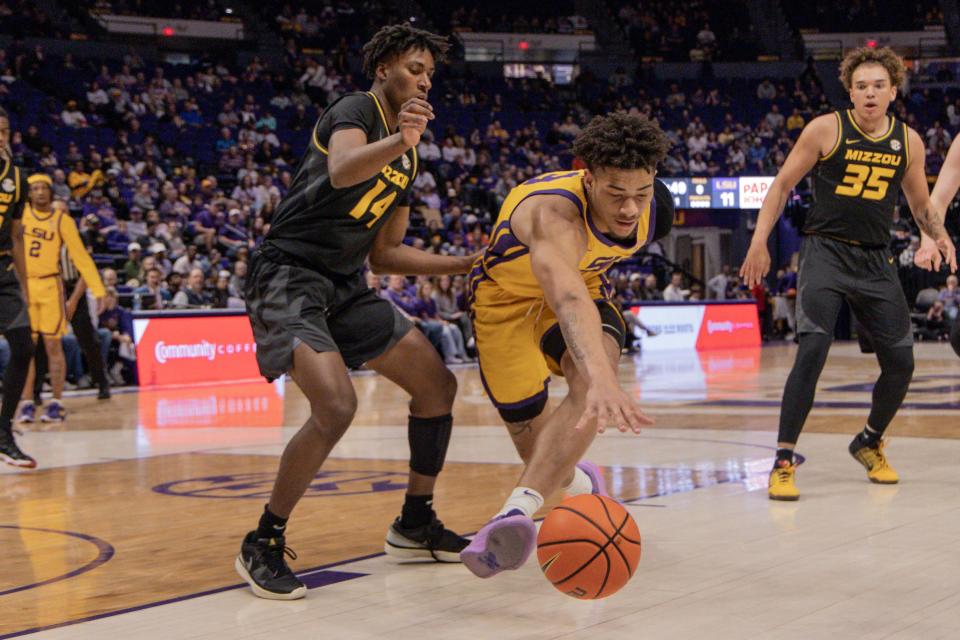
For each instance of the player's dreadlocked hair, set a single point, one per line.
(883, 56)
(621, 141)
(393, 40)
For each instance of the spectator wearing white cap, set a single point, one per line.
(131, 268)
(159, 251)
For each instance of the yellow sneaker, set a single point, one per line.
(781, 486)
(873, 460)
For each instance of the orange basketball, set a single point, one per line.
(588, 546)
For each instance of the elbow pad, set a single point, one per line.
(663, 209)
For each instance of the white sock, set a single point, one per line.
(525, 499)
(580, 484)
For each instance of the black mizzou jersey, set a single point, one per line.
(332, 230)
(13, 195)
(856, 185)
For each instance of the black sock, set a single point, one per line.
(271, 526)
(784, 454)
(417, 511)
(869, 437)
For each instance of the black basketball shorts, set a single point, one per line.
(831, 271)
(13, 309)
(290, 304)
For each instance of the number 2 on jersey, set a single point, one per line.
(378, 208)
(876, 179)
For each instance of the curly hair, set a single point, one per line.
(394, 39)
(621, 141)
(883, 56)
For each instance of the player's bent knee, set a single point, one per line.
(448, 387)
(897, 361)
(334, 413)
(428, 439)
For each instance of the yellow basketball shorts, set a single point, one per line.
(520, 344)
(48, 314)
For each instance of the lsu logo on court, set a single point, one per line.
(257, 486)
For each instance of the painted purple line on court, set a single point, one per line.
(325, 578)
(307, 575)
(105, 551)
(304, 575)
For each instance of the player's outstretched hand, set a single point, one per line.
(945, 246)
(928, 255)
(756, 265)
(413, 118)
(609, 405)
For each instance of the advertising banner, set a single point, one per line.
(180, 350)
(699, 326)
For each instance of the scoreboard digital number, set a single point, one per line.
(725, 192)
(745, 192)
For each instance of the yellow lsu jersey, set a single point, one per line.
(44, 234)
(513, 326)
(506, 262)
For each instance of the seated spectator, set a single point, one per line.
(121, 361)
(451, 339)
(151, 295)
(71, 116)
(718, 286)
(795, 122)
(950, 297)
(406, 301)
(159, 252)
(221, 291)
(675, 291)
(131, 268)
(188, 261)
(118, 240)
(449, 309)
(937, 326)
(238, 280)
(194, 296)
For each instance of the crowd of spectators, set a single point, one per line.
(688, 31)
(26, 18)
(214, 10)
(174, 172)
(863, 15)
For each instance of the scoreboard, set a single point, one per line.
(746, 192)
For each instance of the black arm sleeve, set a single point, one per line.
(664, 211)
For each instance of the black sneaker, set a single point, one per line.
(262, 565)
(104, 392)
(11, 453)
(430, 541)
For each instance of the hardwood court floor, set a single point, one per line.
(130, 526)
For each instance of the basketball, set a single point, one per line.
(588, 547)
